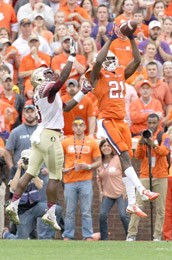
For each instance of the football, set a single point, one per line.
(128, 28)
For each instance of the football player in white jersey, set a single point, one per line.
(46, 146)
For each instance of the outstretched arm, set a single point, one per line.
(132, 66)
(94, 74)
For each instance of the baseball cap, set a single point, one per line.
(30, 106)
(38, 14)
(145, 82)
(5, 40)
(154, 24)
(7, 76)
(33, 37)
(66, 38)
(72, 81)
(25, 153)
(25, 21)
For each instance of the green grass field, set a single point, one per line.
(82, 250)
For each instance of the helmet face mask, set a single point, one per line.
(40, 75)
(111, 62)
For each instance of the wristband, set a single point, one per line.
(89, 166)
(71, 58)
(78, 96)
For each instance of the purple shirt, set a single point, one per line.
(164, 46)
(95, 32)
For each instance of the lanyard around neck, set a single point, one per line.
(82, 145)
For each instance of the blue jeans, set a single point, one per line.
(105, 207)
(26, 220)
(82, 191)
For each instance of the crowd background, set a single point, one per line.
(36, 33)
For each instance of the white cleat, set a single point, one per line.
(13, 215)
(134, 209)
(149, 195)
(51, 220)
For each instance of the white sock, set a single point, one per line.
(131, 174)
(51, 211)
(130, 189)
(15, 204)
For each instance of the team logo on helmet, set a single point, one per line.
(111, 62)
(40, 75)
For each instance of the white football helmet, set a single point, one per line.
(111, 62)
(40, 75)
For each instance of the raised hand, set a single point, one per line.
(113, 35)
(86, 86)
(72, 47)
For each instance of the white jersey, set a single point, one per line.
(50, 115)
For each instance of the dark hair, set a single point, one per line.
(100, 146)
(158, 2)
(121, 8)
(102, 5)
(93, 14)
(152, 63)
(153, 115)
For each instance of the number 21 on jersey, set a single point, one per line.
(116, 89)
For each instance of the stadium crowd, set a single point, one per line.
(37, 34)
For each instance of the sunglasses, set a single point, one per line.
(29, 106)
(79, 122)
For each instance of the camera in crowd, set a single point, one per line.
(147, 133)
(25, 160)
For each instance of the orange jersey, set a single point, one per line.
(110, 91)
(2, 145)
(168, 10)
(84, 108)
(143, 28)
(8, 16)
(139, 112)
(131, 79)
(28, 87)
(123, 50)
(169, 115)
(90, 151)
(64, 2)
(160, 91)
(28, 63)
(58, 63)
(160, 154)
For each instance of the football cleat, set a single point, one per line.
(134, 209)
(149, 195)
(13, 215)
(51, 220)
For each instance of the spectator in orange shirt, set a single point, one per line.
(159, 172)
(142, 29)
(127, 8)
(90, 7)
(160, 90)
(8, 116)
(85, 109)
(142, 107)
(40, 28)
(168, 7)
(82, 155)
(12, 98)
(59, 61)
(33, 60)
(8, 19)
(11, 55)
(75, 14)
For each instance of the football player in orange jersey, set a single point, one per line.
(108, 81)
